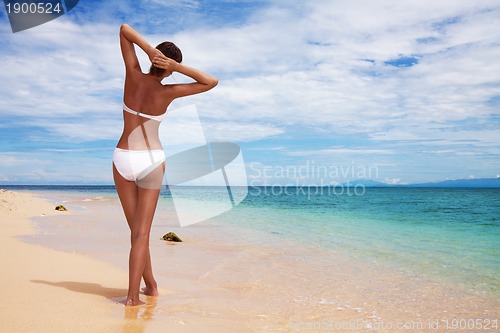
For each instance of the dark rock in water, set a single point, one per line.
(61, 208)
(171, 237)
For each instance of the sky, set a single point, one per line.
(314, 92)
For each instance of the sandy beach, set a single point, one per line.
(55, 291)
(47, 290)
(207, 285)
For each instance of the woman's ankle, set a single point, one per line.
(133, 302)
(150, 290)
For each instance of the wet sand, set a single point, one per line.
(217, 280)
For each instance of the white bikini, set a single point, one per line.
(145, 115)
(134, 165)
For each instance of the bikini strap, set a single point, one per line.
(129, 110)
(157, 118)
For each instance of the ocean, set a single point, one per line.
(441, 233)
(450, 235)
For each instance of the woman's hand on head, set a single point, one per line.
(163, 62)
(155, 53)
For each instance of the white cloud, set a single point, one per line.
(277, 75)
(55, 167)
(392, 181)
(176, 3)
(14, 160)
(61, 69)
(341, 151)
(271, 72)
(239, 132)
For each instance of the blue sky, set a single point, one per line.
(397, 91)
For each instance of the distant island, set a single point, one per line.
(457, 183)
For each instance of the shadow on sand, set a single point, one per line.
(86, 288)
(135, 317)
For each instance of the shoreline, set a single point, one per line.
(224, 286)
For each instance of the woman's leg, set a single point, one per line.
(139, 204)
(139, 251)
(151, 288)
(152, 181)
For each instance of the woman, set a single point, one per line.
(138, 161)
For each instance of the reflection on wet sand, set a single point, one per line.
(137, 317)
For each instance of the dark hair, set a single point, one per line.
(171, 51)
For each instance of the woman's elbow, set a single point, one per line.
(123, 27)
(213, 82)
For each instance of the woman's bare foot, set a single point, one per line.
(150, 291)
(132, 302)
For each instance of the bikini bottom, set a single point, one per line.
(134, 165)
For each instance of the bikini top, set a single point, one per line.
(145, 115)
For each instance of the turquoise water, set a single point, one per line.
(450, 235)
(445, 234)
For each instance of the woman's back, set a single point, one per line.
(143, 94)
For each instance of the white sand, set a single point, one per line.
(49, 291)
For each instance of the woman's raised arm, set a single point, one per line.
(129, 37)
(204, 81)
